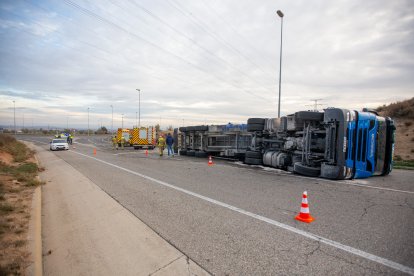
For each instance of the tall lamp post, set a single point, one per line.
(14, 108)
(122, 120)
(139, 107)
(88, 121)
(280, 65)
(112, 122)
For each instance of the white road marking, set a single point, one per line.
(335, 182)
(340, 182)
(332, 243)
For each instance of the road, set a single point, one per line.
(234, 219)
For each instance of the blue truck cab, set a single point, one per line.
(370, 144)
(358, 144)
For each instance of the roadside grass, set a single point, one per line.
(18, 150)
(18, 178)
(404, 164)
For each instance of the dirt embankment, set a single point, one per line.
(18, 171)
(403, 114)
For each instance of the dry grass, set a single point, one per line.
(403, 109)
(403, 114)
(18, 177)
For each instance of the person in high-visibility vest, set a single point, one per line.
(161, 145)
(122, 142)
(114, 143)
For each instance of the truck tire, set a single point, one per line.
(299, 168)
(331, 171)
(183, 129)
(258, 121)
(253, 161)
(309, 115)
(255, 127)
(254, 154)
(201, 154)
(183, 152)
(191, 153)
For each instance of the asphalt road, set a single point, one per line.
(234, 219)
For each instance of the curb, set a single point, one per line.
(35, 231)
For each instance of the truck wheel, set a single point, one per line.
(254, 154)
(201, 154)
(255, 127)
(259, 121)
(299, 168)
(183, 152)
(191, 153)
(331, 171)
(253, 161)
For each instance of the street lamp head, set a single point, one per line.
(138, 90)
(280, 13)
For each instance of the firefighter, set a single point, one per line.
(122, 142)
(114, 143)
(161, 144)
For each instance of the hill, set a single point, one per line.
(403, 114)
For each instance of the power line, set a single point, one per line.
(215, 36)
(195, 42)
(112, 24)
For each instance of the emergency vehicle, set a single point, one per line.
(143, 138)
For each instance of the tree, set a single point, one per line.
(102, 130)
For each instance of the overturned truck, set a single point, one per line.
(334, 144)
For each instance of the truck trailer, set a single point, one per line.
(335, 144)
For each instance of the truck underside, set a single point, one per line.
(318, 144)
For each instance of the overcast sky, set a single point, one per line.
(198, 61)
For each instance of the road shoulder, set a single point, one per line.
(85, 231)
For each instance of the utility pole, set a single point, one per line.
(280, 65)
(122, 118)
(139, 106)
(136, 120)
(315, 105)
(88, 121)
(14, 104)
(112, 123)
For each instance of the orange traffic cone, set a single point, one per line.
(210, 161)
(146, 152)
(94, 151)
(304, 214)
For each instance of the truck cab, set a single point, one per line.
(370, 145)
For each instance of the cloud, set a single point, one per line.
(200, 61)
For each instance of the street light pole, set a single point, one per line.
(280, 65)
(136, 120)
(14, 108)
(139, 106)
(88, 121)
(112, 123)
(122, 120)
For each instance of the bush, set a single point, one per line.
(404, 109)
(18, 150)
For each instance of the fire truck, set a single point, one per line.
(143, 138)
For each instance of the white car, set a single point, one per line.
(59, 144)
